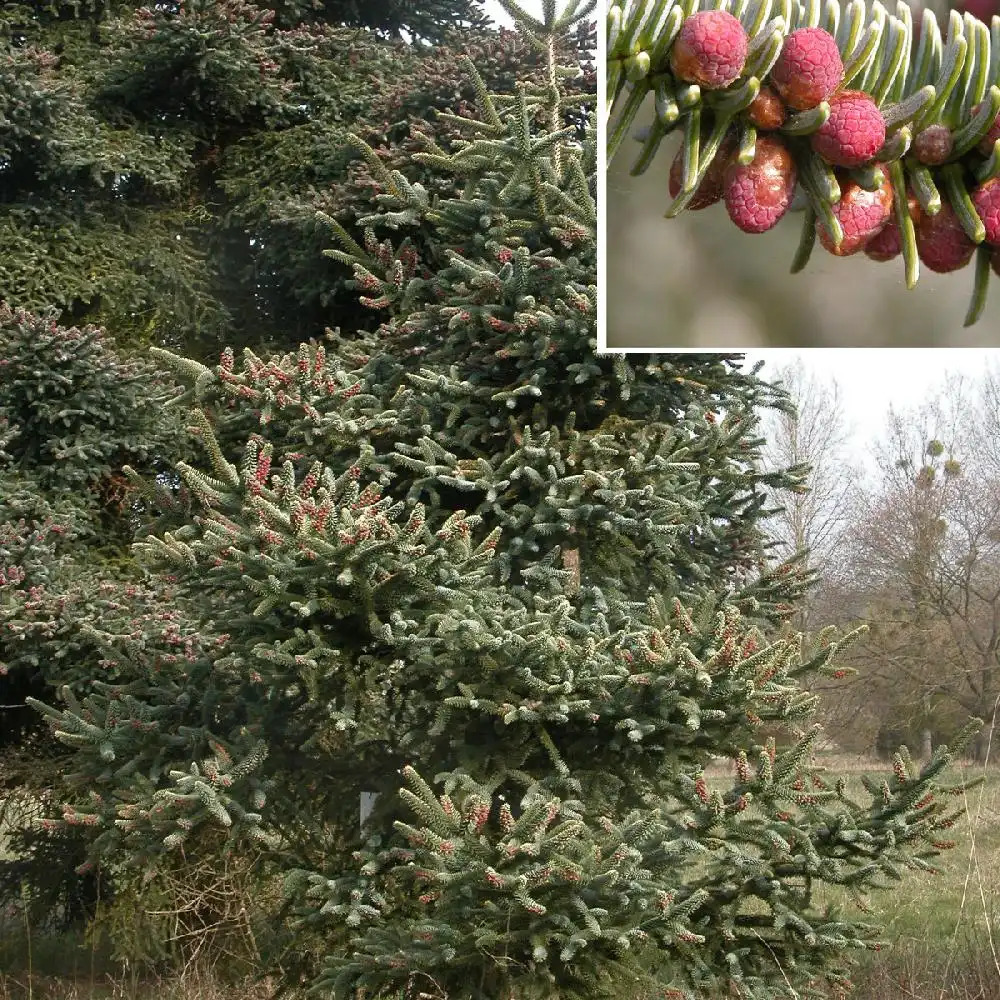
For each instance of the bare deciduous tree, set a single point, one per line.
(926, 548)
(818, 436)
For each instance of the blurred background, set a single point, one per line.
(697, 281)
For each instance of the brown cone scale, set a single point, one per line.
(888, 244)
(767, 110)
(942, 243)
(933, 145)
(710, 189)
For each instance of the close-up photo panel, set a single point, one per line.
(815, 174)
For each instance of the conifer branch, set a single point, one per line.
(930, 105)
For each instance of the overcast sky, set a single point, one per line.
(871, 380)
(499, 15)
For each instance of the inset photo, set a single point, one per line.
(819, 174)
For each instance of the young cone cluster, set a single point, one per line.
(838, 112)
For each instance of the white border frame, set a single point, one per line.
(602, 178)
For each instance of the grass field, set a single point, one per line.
(944, 931)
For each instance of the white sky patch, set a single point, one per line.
(872, 380)
(500, 15)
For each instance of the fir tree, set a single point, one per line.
(152, 171)
(518, 591)
(73, 412)
(169, 213)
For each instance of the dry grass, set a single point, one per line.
(945, 930)
(205, 987)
